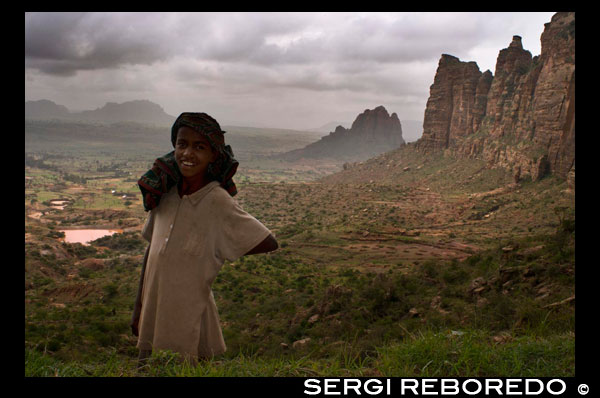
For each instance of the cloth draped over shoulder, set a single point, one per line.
(165, 173)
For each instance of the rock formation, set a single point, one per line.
(522, 118)
(373, 132)
(456, 103)
(377, 126)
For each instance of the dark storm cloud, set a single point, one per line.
(63, 43)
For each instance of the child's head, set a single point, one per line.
(201, 123)
(193, 152)
(200, 147)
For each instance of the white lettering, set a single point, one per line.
(453, 387)
(413, 388)
(564, 387)
(428, 387)
(377, 389)
(427, 383)
(489, 386)
(355, 387)
(528, 391)
(509, 385)
(309, 384)
(331, 383)
(470, 381)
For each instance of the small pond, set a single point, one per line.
(85, 236)
(58, 204)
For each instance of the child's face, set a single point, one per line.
(193, 152)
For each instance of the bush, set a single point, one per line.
(455, 275)
(79, 250)
(111, 290)
(127, 242)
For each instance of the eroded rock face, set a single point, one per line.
(373, 132)
(505, 96)
(522, 118)
(377, 125)
(554, 100)
(456, 103)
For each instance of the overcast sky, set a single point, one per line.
(288, 70)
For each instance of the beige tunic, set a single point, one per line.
(190, 239)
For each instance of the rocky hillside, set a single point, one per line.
(521, 119)
(373, 132)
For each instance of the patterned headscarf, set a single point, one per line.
(165, 173)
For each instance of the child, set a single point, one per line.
(193, 226)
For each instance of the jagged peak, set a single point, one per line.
(516, 42)
(449, 58)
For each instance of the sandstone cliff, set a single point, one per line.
(522, 118)
(373, 132)
(456, 103)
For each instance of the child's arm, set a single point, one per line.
(267, 245)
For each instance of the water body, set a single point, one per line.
(59, 204)
(84, 236)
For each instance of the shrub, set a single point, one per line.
(111, 290)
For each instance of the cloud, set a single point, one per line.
(254, 63)
(64, 43)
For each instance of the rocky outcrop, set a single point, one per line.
(456, 104)
(554, 100)
(377, 126)
(507, 97)
(522, 118)
(372, 132)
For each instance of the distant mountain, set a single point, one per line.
(139, 111)
(45, 110)
(373, 132)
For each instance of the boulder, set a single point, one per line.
(301, 343)
(477, 286)
(94, 264)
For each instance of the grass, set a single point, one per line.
(474, 354)
(429, 354)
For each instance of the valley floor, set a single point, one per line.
(400, 266)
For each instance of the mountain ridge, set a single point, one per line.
(138, 111)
